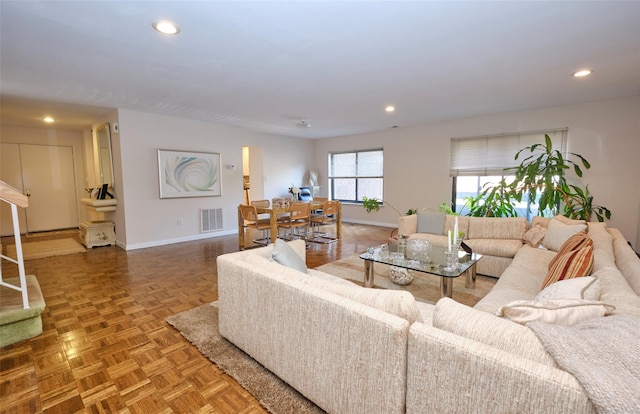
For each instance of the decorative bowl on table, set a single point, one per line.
(400, 276)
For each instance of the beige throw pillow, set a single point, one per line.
(533, 237)
(558, 233)
(559, 311)
(587, 287)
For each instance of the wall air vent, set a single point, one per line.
(210, 220)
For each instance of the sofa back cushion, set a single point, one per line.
(397, 302)
(489, 329)
(463, 224)
(497, 228)
(430, 222)
(626, 260)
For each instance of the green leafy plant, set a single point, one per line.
(446, 209)
(579, 205)
(493, 201)
(371, 204)
(541, 176)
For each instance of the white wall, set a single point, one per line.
(417, 158)
(149, 220)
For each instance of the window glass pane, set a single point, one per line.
(370, 187)
(344, 188)
(343, 165)
(370, 164)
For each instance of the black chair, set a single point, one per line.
(305, 194)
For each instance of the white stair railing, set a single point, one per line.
(15, 199)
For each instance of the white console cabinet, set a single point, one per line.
(97, 233)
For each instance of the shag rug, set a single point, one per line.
(39, 249)
(200, 327)
(424, 287)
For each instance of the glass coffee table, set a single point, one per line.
(437, 265)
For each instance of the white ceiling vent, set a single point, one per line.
(210, 220)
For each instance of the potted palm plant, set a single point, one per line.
(541, 176)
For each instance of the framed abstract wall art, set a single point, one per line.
(189, 174)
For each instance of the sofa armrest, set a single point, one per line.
(448, 373)
(407, 225)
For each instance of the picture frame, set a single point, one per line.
(189, 174)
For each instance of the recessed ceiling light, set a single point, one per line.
(390, 108)
(48, 119)
(166, 27)
(583, 72)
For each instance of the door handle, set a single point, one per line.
(28, 192)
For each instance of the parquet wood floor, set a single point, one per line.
(105, 346)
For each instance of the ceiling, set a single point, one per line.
(267, 65)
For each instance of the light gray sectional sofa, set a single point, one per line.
(356, 350)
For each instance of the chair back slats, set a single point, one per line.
(249, 213)
(330, 208)
(299, 211)
(261, 203)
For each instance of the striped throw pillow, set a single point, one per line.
(576, 263)
(575, 242)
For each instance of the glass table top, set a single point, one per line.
(435, 264)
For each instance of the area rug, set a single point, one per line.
(39, 249)
(424, 287)
(200, 327)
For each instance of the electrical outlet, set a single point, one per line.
(180, 221)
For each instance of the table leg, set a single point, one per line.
(368, 273)
(273, 221)
(470, 283)
(240, 230)
(339, 222)
(446, 287)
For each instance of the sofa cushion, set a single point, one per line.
(286, 256)
(587, 287)
(569, 221)
(575, 263)
(493, 247)
(566, 312)
(430, 222)
(520, 281)
(463, 224)
(397, 302)
(484, 327)
(616, 290)
(626, 260)
(558, 233)
(497, 228)
(543, 221)
(575, 242)
(534, 236)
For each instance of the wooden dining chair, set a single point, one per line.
(298, 217)
(251, 220)
(261, 203)
(328, 215)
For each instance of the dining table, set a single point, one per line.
(274, 212)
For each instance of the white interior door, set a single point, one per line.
(48, 179)
(11, 173)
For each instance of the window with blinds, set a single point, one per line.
(354, 175)
(480, 161)
(491, 154)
